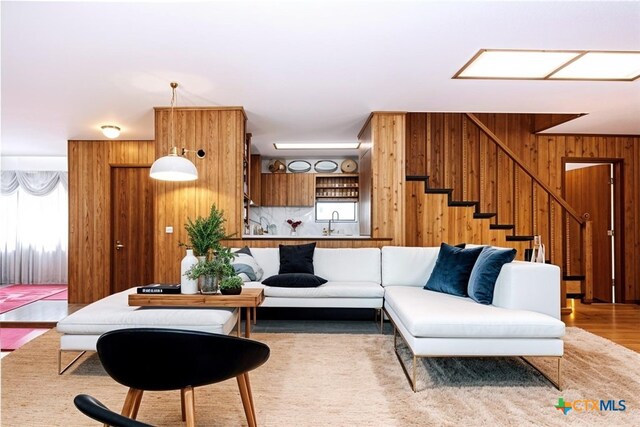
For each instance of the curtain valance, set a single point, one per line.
(38, 183)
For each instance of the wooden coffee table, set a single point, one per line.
(250, 298)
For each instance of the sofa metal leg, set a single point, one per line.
(410, 376)
(557, 382)
(62, 370)
(380, 313)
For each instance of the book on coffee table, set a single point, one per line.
(159, 288)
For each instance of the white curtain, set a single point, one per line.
(34, 227)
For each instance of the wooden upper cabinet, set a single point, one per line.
(300, 189)
(287, 189)
(274, 189)
(255, 179)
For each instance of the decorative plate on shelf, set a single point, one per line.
(349, 166)
(325, 166)
(299, 166)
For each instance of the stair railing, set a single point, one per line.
(585, 225)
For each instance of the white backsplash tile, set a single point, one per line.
(278, 216)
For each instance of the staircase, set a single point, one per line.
(498, 201)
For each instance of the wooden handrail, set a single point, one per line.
(520, 163)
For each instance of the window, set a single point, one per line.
(347, 211)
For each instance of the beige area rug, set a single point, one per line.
(342, 380)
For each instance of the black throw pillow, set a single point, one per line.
(452, 270)
(294, 280)
(296, 258)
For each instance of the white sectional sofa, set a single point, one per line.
(80, 330)
(523, 319)
(353, 277)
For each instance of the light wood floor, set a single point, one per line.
(619, 323)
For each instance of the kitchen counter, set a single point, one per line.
(290, 237)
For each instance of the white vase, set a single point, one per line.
(188, 286)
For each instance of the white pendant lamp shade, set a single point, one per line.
(173, 168)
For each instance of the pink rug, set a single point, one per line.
(13, 338)
(14, 296)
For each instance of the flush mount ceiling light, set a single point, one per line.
(508, 64)
(316, 145)
(174, 167)
(110, 131)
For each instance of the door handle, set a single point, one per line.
(119, 245)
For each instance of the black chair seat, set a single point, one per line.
(169, 359)
(172, 359)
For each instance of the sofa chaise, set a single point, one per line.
(523, 319)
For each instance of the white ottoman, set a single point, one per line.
(82, 329)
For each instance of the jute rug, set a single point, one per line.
(343, 380)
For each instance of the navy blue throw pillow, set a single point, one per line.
(452, 270)
(297, 258)
(485, 273)
(294, 280)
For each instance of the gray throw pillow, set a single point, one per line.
(246, 266)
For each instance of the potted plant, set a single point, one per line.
(210, 272)
(231, 285)
(205, 233)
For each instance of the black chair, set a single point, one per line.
(93, 408)
(169, 359)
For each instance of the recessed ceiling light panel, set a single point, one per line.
(602, 66)
(511, 64)
(552, 65)
(316, 145)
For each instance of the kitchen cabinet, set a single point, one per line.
(287, 189)
(255, 179)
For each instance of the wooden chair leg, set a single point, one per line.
(246, 400)
(189, 406)
(255, 315)
(253, 408)
(132, 403)
(182, 409)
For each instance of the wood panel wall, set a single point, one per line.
(221, 133)
(452, 151)
(388, 134)
(430, 221)
(365, 181)
(89, 257)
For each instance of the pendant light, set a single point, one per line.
(175, 166)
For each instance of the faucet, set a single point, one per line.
(266, 228)
(337, 215)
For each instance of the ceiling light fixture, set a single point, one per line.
(110, 131)
(174, 167)
(316, 145)
(624, 66)
(512, 64)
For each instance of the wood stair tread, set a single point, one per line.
(501, 226)
(462, 203)
(519, 238)
(484, 215)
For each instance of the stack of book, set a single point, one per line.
(158, 288)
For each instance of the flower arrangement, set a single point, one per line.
(294, 224)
